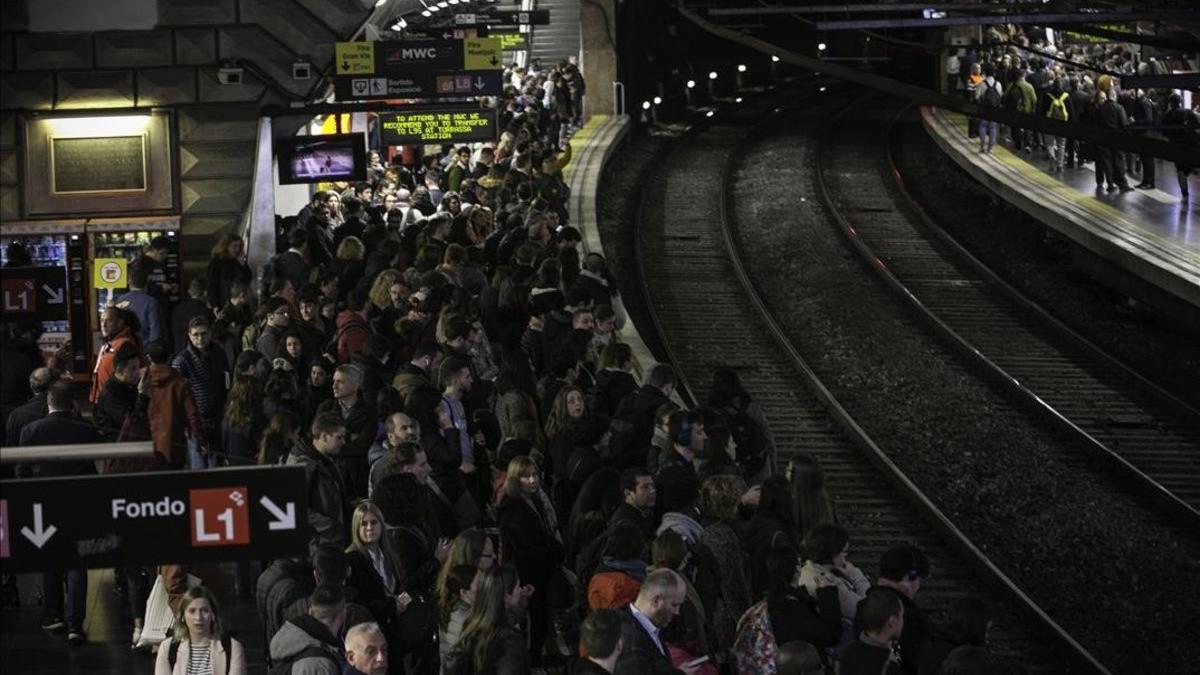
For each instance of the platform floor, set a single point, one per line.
(26, 648)
(1151, 234)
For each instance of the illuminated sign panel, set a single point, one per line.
(443, 124)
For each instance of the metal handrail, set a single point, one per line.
(76, 452)
(618, 103)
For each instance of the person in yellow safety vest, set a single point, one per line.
(1059, 109)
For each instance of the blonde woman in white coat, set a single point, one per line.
(825, 563)
(200, 646)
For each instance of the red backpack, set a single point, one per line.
(754, 648)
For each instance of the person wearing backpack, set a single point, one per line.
(1059, 108)
(308, 645)
(200, 646)
(756, 452)
(990, 96)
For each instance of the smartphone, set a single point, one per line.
(695, 662)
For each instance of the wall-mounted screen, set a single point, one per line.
(316, 159)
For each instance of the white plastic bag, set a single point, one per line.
(159, 618)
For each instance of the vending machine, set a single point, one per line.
(41, 271)
(125, 239)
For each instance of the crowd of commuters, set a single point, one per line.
(1078, 84)
(494, 485)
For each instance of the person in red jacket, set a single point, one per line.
(117, 332)
(353, 331)
(171, 410)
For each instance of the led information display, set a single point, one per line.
(444, 124)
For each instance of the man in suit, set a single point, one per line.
(63, 426)
(657, 604)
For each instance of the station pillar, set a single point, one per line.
(598, 34)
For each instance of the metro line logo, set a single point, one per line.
(220, 516)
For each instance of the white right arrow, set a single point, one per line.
(37, 535)
(285, 519)
(56, 294)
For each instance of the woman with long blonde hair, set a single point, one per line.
(200, 645)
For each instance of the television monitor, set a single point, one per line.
(317, 159)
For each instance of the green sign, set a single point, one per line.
(510, 41)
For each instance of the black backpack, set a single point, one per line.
(226, 644)
(751, 442)
(992, 97)
(284, 666)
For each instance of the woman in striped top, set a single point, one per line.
(200, 646)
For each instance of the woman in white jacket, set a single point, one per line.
(200, 646)
(825, 562)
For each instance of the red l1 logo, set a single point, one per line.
(220, 516)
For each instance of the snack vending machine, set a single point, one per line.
(126, 239)
(41, 270)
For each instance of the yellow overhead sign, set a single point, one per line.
(110, 272)
(510, 40)
(354, 58)
(482, 54)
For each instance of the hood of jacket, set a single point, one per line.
(160, 374)
(685, 525)
(299, 634)
(632, 568)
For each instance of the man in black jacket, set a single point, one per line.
(40, 381)
(640, 493)
(657, 604)
(63, 426)
(600, 635)
(901, 569)
(881, 615)
(358, 416)
(638, 412)
(327, 502)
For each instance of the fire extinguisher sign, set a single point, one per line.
(220, 516)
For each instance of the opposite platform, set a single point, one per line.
(1151, 236)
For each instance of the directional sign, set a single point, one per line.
(354, 58)
(449, 33)
(535, 17)
(456, 84)
(482, 54)
(41, 291)
(147, 518)
(511, 40)
(443, 124)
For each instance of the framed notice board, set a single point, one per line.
(99, 163)
(81, 165)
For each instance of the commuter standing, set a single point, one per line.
(204, 365)
(1183, 129)
(62, 426)
(1145, 113)
(1112, 117)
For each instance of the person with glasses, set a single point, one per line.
(277, 312)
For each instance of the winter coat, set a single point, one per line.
(106, 361)
(222, 272)
(327, 503)
(615, 583)
(726, 592)
(353, 331)
(217, 657)
(682, 524)
(507, 655)
(764, 531)
(172, 410)
(798, 615)
(323, 650)
(448, 636)
(149, 315)
(851, 584)
(209, 374)
(529, 539)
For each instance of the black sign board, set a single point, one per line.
(445, 124)
(73, 163)
(419, 85)
(147, 518)
(34, 292)
(447, 33)
(505, 17)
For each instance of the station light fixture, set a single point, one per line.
(443, 4)
(426, 13)
(691, 84)
(645, 105)
(712, 75)
(737, 100)
(710, 113)
(820, 46)
(821, 89)
(774, 59)
(380, 3)
(741, 67)
(657, 100)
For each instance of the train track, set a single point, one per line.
(1145, 436)
(708, 314)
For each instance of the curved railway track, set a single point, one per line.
(708, 314)
(1147, 438)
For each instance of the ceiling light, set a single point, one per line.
(657, 100)
(712, 75)
(774, 59)
(741, 67)
(820, 46)
(691, 84)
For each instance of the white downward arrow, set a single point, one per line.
(285, 519)
(56, 294)
(37, 535)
